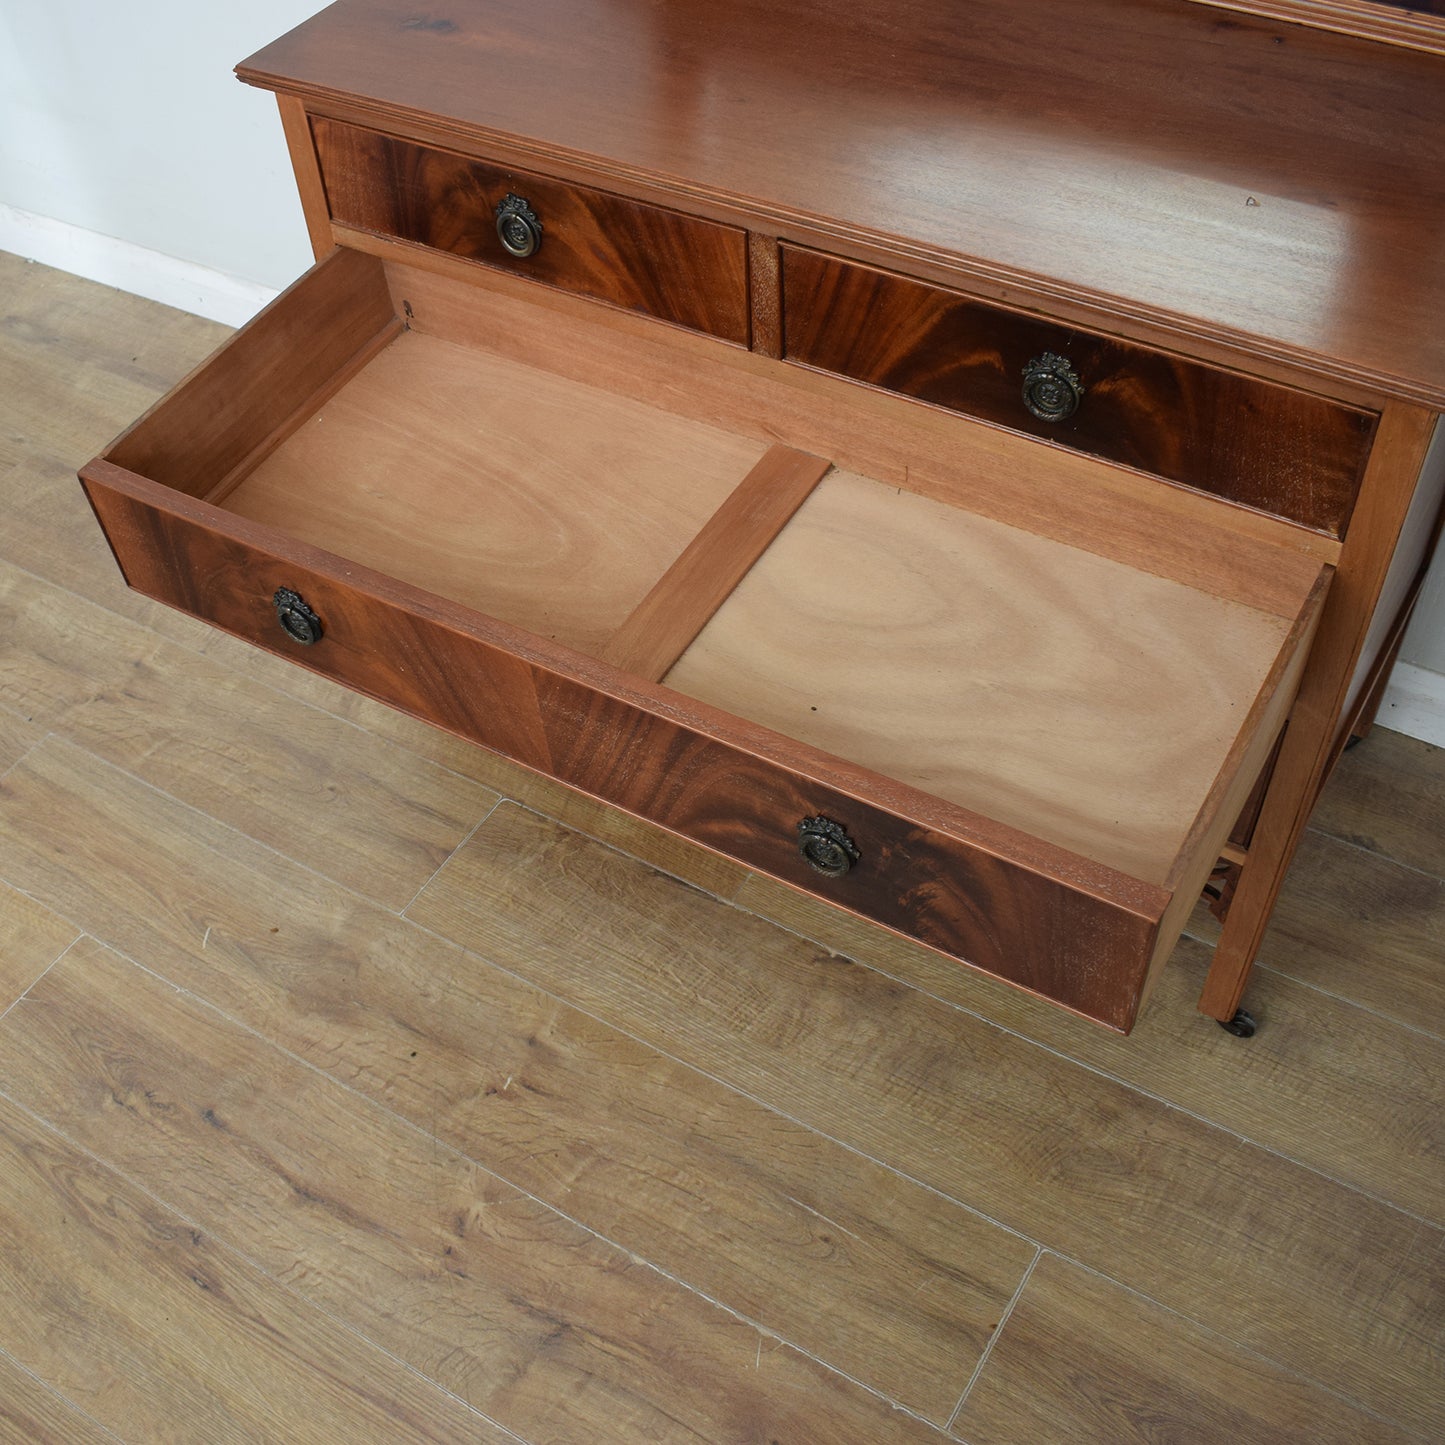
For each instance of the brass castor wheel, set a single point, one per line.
(1242, 1025)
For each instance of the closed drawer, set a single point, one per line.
(318, 489)
(641, 257)
(1265, 446)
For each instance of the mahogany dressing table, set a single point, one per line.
(970, 460)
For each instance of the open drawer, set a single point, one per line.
(1022, 752)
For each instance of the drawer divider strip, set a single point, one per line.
(663, 625)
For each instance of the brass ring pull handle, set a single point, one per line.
(518, 227)
(1051, 388)
(298, 621)
(826, 846)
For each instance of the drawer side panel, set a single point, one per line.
(1064, 938)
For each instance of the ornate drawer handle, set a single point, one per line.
(1051, 388)
(301, 624)
(518, 227)
(826, 846)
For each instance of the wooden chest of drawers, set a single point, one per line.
(792, 515)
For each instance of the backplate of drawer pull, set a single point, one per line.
(518, 228)
(826, 847)
(1051, 388)
(297, 620)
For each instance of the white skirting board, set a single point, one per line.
(132, 268)
(1415, 703)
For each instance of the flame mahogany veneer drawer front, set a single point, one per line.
(1263, 445)
(470, 537)
(644, 258)
(1084, 941)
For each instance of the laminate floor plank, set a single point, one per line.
(1360, 926)
(318, 789)
(33, 1414)
(56, 651)
(1340, 1285)
(1388, 795)
(870, 1273)
(31, 939)
(521, 1312)
(1326, 1082)
(1082, 1361)
(158, 1333)
(78, 362)
(17, 736)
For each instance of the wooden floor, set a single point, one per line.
(355, 1087)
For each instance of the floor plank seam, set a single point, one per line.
(25, 993)
(221, 1242)
(977, 1213)
(6, 771)
(460, 844)
(1043, 1247)
(1268, 1360)
(201, 653)
(293, 863)
(1390, 1019)
(1095, 1069)
(993, 1338)
(723, 898)
(437, 1142)
(61, 1396)
(1355, 846)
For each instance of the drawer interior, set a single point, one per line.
(1070, 695)
(550, 505)
(1105, 699)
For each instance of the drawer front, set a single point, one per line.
(1079, 935)
(1265, 446)
(641, 257)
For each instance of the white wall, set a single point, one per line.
(122, 117)
(123, 120)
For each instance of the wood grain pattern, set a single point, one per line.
(1077, 700)
(551, 506)
(31, 939)
(1116, 513)
(1331, 1080)
(663, 625)
(1164, 1202)
(307, 170)
(1099, 151)
(320, 790)
(168, 1334)
(1389, 797)
(246, 396)
(33, 1414)
(1261, 445)
(1415, 23)
(1377, 942)
(1049, 920)
(1083, 1362)
(17, 737)
(1317, 730)
(642, 258)
(863, 1268)
(765, 294)
(528, 1317)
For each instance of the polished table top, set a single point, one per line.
(1185, 168)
